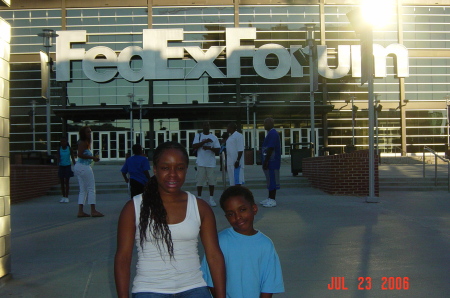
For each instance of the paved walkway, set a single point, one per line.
(404, 238)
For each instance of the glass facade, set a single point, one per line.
(422, 96)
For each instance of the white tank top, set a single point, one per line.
(155, 271)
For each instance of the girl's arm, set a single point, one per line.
(125, 240)
(214, 256)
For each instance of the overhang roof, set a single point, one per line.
(186, 112)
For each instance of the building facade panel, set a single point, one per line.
(422, 30)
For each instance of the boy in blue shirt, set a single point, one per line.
(138, 167)
(252, 264)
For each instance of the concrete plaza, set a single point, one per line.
(404, 238)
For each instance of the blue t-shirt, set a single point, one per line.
(136, 165)
(252, 265)
(272, 140)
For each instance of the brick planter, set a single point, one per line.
(343, 174)
(31, 181)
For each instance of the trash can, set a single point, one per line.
(327, 151)
(248, 157)
(349, 148)
(298, 152)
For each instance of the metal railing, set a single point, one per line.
(402, 152)
(436, 156)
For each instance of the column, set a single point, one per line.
(5, 220)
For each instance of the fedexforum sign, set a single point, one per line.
(101, 64)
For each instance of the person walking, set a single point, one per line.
(84, 173)
(164, 223)
(137, 167)
(271, 162)
(64, 154)
(207, 146)
(235, 150)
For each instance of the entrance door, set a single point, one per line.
(191, 135)
(113, 148)
(121, 144)
(160, 137)
(104, 145)
(73, 142)
(110, 145)
(174, 136)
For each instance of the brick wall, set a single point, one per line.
(31, 181)
(343, 174)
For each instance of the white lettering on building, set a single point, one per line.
(101, 64)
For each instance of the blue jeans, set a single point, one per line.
(202, 292)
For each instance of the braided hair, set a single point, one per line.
(153, 215)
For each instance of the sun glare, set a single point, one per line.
(378, 13)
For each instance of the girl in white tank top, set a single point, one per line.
(165, 222)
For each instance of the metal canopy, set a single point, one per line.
(187, 111)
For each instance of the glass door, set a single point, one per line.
(113, 148)
(160, 137)
(104, 146)
(121, 144)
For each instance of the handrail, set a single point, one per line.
(436, 156)
(401, 150)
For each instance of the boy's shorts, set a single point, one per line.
(206, 174)
(272, 179)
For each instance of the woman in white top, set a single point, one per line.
(165, 222)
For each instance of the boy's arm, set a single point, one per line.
(214, 256)
(265, 295)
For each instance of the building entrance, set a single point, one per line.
(113, 145)
(110, 145)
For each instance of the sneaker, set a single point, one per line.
(63, 200)
(270, 203)
(263, 202)
(212, 203)
(67, 200)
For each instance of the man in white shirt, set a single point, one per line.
(235, 157)
(207, 146)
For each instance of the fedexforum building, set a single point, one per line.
(150, 71)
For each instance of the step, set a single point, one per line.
(414, 188)
(105, 188)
